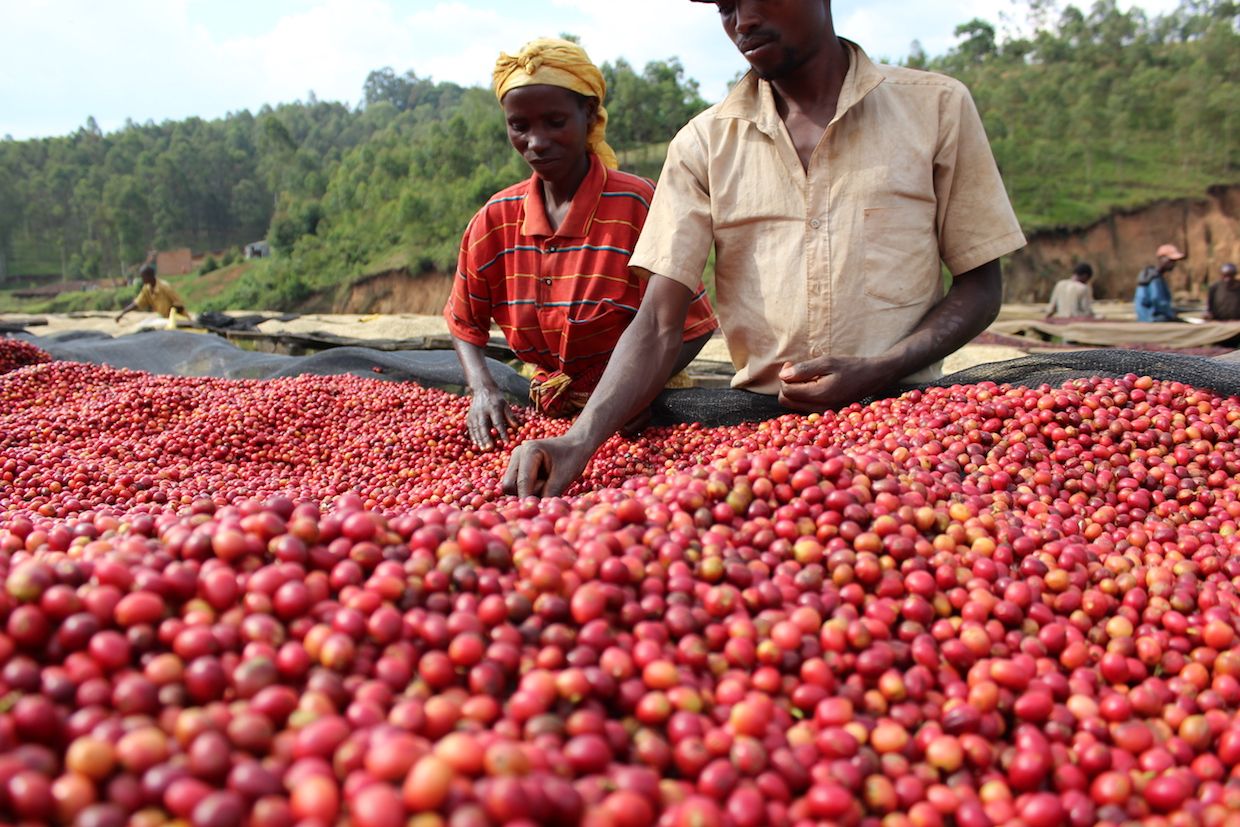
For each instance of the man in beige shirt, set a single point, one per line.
(1073, 298)
(833, 190)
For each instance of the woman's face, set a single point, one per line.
(548, 126)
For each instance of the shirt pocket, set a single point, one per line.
(901, 265)
(603, 311)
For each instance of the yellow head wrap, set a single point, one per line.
(555, 62)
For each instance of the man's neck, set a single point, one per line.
(813, 88)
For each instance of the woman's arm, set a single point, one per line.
(489, 410)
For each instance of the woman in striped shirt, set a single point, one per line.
(547, 259)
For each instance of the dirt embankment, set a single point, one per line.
(1118, 246)
(396, 291)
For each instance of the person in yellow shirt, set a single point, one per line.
(156, 295)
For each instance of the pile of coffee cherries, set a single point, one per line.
(15, 353)
(306, 601)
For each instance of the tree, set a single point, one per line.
(917, 58)
(979, 43)
(10, 217)
(383, 85)
(130, 217)
(649, 107)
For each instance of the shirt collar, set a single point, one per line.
(580, 213)
(753, 99)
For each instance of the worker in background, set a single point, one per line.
(1073, 298)
(1152, 299)
(1223, 301)
(157, 296)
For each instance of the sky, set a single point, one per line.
(62, 61)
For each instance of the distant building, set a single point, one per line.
(257, 249)
(52, 290)
(174, 262)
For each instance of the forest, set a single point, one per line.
(1089, 110)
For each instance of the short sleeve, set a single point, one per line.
(976, 223)
(676, 239)
(174, 298)
(468, 311)
(145, 300)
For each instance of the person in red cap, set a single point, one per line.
(1153, 298)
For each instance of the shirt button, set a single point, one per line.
(547, 282)
(815, 223)
(551, 248)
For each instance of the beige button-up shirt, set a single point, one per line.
(842, 257)
(1071, 299)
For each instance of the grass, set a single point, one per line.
(1061, 195)
(199, 289)
(107, 298)
(645, 160)
(196, 289)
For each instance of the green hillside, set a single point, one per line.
(1090, 112)
(1105, 109)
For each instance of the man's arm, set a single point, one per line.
(1163, 310)
(131, 306)
(638, 369)
(831, 382)
(489, 409)
(1053, 304)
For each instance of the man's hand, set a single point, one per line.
(545, 467)
(637, 424)
(638, 369)
(489, 410)
(831, 382)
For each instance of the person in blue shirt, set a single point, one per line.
(1152, 300)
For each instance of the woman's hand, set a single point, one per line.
(489, 410)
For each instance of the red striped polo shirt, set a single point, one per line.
(562, 298)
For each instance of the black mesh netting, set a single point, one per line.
(1220, 374)
(189, 354)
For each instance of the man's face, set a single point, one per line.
(1228, 274)
(776, 36)
(1165, 264)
